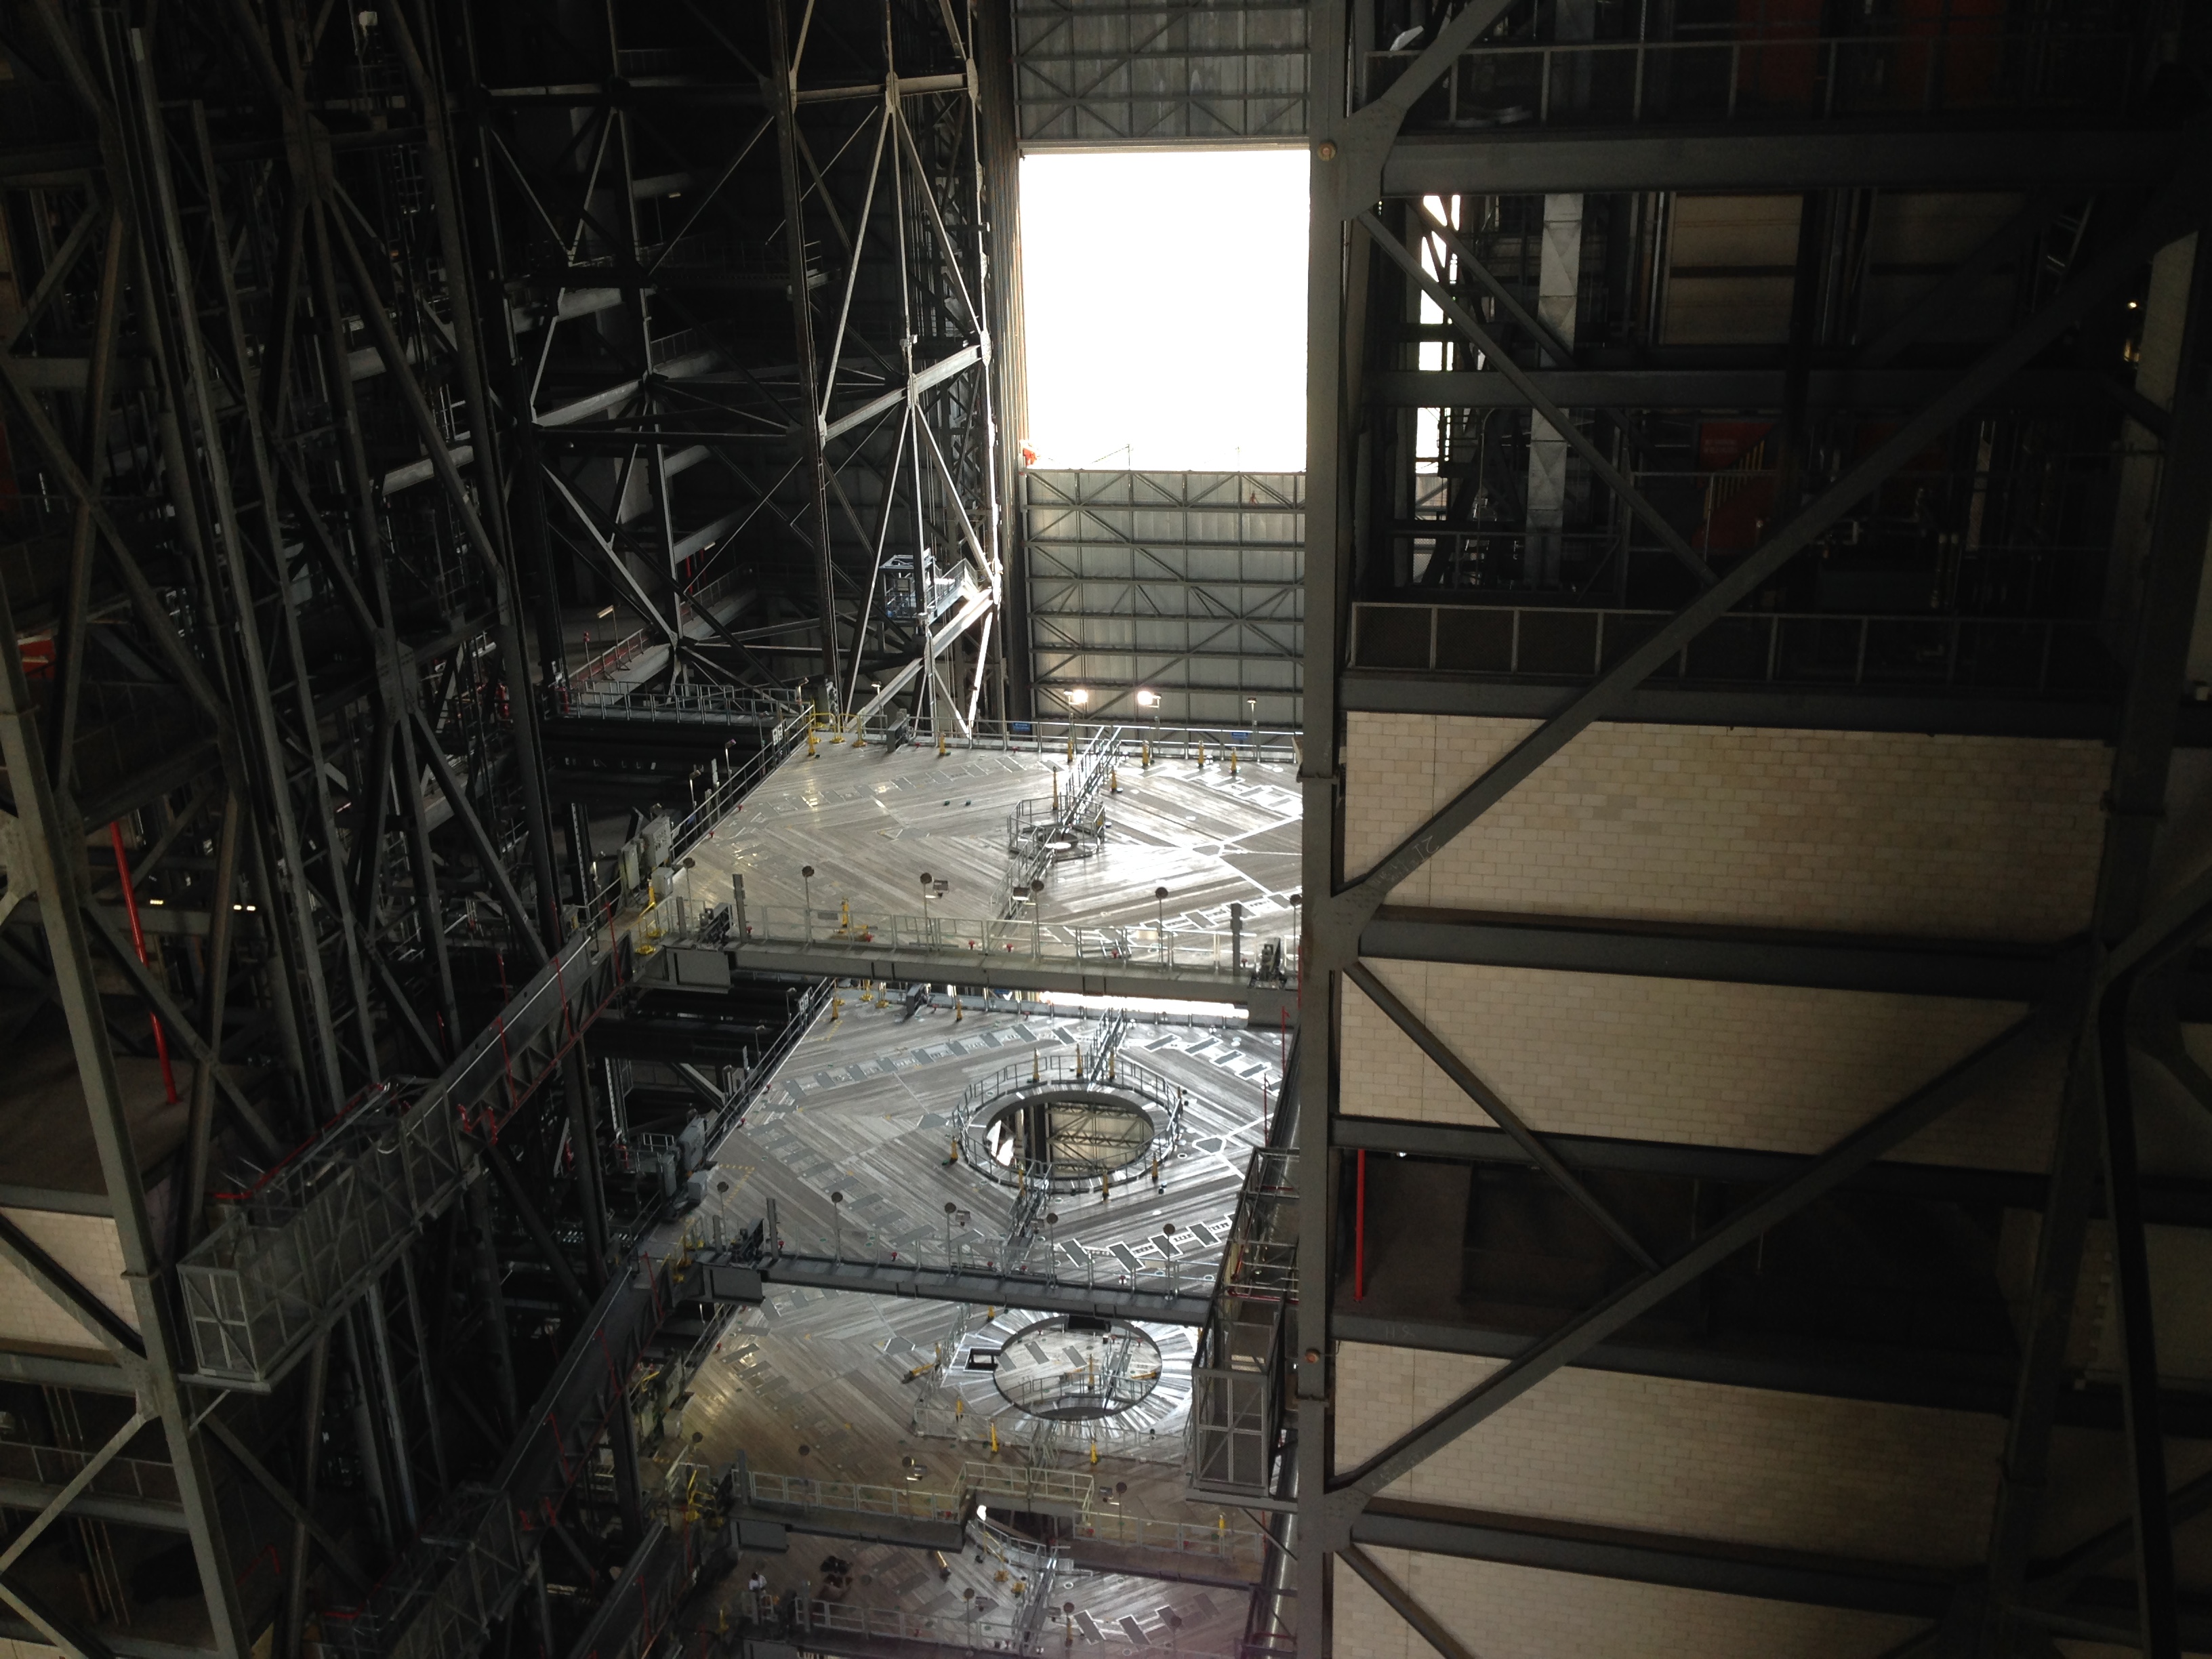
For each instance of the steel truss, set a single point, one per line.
(754, 330)
(279, 634)
(1435, 284)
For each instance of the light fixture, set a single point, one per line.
(606, 612)
(1078, 696)
(1148, 700)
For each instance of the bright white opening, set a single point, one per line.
(1165, 296)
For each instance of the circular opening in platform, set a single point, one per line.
(1068, 1131)
(1076, 1368)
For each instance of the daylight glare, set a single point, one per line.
(1165, 309)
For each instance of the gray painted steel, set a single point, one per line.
(1093, 74)
(1186, 584)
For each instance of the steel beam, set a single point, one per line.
(1771, 707)
(158, 1514)
(48, 834)
(1337, 260)
(2175, 211)
(1752, 389)
(1988, 1066)
(783, 87)
(1730, 954)
(1652, 1557)
(1009, 971)
(2135, 938)
(1535, 162)
(1431, 1629)
(1472, 1084)
(986, 1286)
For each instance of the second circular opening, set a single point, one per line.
(1077, 1132)
(1076, 1368)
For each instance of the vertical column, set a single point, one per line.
(1330, 242)
(998, 148)
(1558, 264)
(47, 832)
(785, 74)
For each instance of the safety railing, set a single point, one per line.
(1016, 1488)
(1077, 1394)
(584, 1395)
(438, 1601)
(1235, 1546)
(716, 804)
(1209, 746)
(294, 1250)
(634, 644)
(1177, 949)
(1042, 1266)
(1021, 1487)
(1040, 832)
(641, 1604)
(976, 1634)
(1259, 1262)
(1765, 648)
(1944, 64)
(1118, 1080)
(723, 705)
(120, 1477)
(800, 1491)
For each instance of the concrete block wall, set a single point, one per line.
(86, 1247)
(1753, 1466)
(1523, 1613)
(1879, 832)
(1778, 1068)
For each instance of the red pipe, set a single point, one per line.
(1360, 1233)
(138, 943)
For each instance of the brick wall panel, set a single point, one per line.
(86, 1247)
(1791, 1471)
(1881, 832)
(1778, 1068)
(1522, 1613)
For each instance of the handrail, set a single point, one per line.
(1748, 647)
(1129, 1081)
(1195, 949)
(1969, 62)
(953, 1631)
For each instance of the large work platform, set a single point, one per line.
(872, 824)
(864, 1107)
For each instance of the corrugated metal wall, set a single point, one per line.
(1185, 584)
(1098, 73)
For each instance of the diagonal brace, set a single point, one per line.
(1504, 1116)
(433, 756)
(25, 1254)
(2176, 210)
(1401, 1601)
(157, 998)
(291, 1505)
(1991, 1063)
(1502, 361)
(63, 1632)
(59, 1502)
